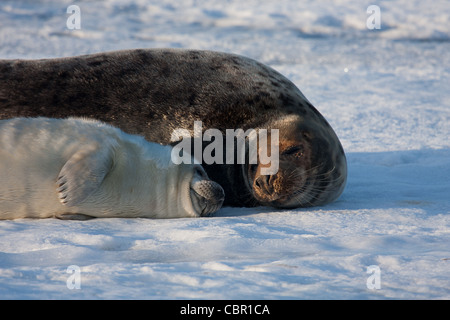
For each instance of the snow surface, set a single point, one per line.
(386, 94)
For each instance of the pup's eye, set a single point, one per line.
(199, 172)
(253, 168)
(293, 150)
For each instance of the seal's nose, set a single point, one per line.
(263, 184)
(210, 196)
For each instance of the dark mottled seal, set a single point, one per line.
(152, 92)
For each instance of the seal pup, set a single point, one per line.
(80, 168)
(152, 92)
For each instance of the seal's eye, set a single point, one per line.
(295, 150)
(199, 172)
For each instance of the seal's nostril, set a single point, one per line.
(209, 196)
(262, 180)
(263, 184)
(258, 183)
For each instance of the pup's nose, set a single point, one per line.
(211, 194)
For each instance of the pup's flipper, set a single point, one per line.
(83, 173)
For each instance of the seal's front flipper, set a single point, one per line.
(83, 173)
(74, 216)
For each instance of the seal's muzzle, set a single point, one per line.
(208, 195)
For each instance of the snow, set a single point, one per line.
(385, 92)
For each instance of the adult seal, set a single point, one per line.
(80, 169)
(153, 92)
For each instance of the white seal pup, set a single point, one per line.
(78, 169)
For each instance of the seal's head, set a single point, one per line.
(312, 168)
(207, 196)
